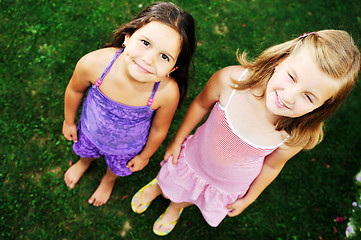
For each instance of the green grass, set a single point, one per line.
(41, 42)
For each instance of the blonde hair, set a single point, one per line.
(334, 52)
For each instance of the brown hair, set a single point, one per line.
(335, 54)
(173, 16)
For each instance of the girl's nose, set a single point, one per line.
(148, 58)
(289, 95)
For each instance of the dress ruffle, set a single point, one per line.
(181, 184)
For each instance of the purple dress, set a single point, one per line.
(117, 131)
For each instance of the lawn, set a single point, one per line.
(41, 41)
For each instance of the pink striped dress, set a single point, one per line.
(216, 166)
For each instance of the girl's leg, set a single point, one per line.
(102, 194)
(170, 215)
(76, 171)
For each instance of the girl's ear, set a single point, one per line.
(173, 69)
(126, 39)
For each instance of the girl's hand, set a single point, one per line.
(137, 163)
(173, 151)
(237, 207)
(70, 132)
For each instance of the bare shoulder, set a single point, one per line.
(167, 93)
(99, 55)
(168, 86)
(225, 78)
(236, 72)
(282, 154)
(93, 64)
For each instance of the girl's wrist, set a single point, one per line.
(246, 201)
(178, 141)
(67, 122)
(141, 156)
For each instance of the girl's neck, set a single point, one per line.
(248, 116)
(260, 100)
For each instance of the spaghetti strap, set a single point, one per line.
(284, 140)
(242, 75)
(230, 97)
(234, 90)
(107, 69)
(156, 85)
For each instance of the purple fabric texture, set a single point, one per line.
(112, 127)
(116, 163)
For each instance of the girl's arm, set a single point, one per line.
(197, 111)
(74, 94)
(168, 98)
(272, 166)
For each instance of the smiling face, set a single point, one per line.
(298, 86)
(151, 52)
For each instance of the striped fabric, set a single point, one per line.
(222, 157)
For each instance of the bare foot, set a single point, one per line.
(76, 171)
(102, 194)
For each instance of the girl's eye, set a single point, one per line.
(309, 98)
(146, 43)
(165, 57)
(293, 79)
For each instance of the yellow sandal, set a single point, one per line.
(171, 224)
(140, 192)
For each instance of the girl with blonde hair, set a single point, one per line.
(262, 113)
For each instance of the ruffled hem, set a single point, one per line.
(181, 184)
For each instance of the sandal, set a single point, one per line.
(171, 224)
(140, 192)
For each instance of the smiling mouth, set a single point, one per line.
(280, 103)
(142, 68)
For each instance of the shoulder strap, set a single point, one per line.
(234, 90)
(155, 88)
(107, 69)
